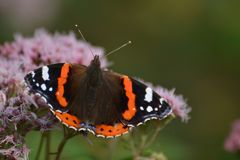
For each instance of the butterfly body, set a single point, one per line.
(89, 98)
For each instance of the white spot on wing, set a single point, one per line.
(65, 124)
(148, 95)
(109, 137)
(91, 131)
(147, 119)
(130, 125)
(50, 89)
(52, 111)
(33, 74)
(82, 129)
(51, 107)
(43, 86)
(59, 111)
(149, 109)
(141, 108)
(99, 135)
(58, 118)
(37, 84)
(73, 128)
(125, 133)
(118, 135)
(44, 99)
(45, 74)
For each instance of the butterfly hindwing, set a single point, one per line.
(110, 131)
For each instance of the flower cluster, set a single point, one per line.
(20, 112)
(232, 143)
(16, 148)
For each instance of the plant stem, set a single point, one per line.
(67, 135)
(40, 147)
(60, 148)
(147, 140)
(112, 146)
(133, 146)
(48, 140)
(138, 149)
(153, 137)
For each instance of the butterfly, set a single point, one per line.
(89, 98)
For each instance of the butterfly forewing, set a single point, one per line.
(50, 82)
(146, 103)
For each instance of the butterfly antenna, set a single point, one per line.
(113, 51)
(83, 38)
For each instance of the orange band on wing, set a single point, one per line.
(108, 130)
(61, 81)
(131, 111)
(68, 119)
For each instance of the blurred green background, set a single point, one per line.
(190, 45)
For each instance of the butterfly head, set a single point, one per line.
(95, 61)
(94, 71)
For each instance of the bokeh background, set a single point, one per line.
(193, 46)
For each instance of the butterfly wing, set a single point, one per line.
(50, 82)
(136, 103)
(142, 103)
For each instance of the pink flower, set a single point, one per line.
(177, 102)
(44, 48)
(232, 143)
(3, 100)
(15, 147)
(8, 139)
(11, 72)
(16, 152)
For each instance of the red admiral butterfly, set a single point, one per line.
(88, 98)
